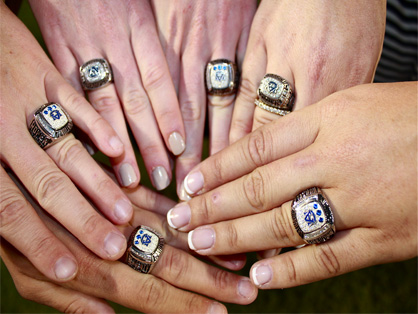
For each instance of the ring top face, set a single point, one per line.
(95, 73)
(53, 118)
(276, 92)
(311, 217)
(146, 241)
(221, 77)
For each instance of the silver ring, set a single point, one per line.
(312, 216)
(275, 95)
(50, 124)
(222, 77)
(145, 246)
(95, 73)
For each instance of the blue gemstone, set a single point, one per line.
(45, 112)
(318, 212)
(214, 68)
(138, 236)
(321, 219)
(315, 206)
(224, 67)
(141, 232)
(136, 242)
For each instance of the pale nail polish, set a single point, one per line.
(216, 308)
(160, 178)
(176, 142)
(261, 274)
(179, 216)
(114, 244)
(183, 194)
(201, 239)
(127, 174)
(123, 210)
(65, 268)
(193, 183)
(246, 288)
(116, 144)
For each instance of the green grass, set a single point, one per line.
(390, 288)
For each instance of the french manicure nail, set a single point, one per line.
(114, 244)
(193, 183)
(179, 216)
(261, 274)
(116, 144)
(183, 194)
(65, 268)
(201, 239)
(216, 308)
(160, 178)
(123, 210)
(246, 288)
(127, 174)
(176, 143)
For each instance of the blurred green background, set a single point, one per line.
(390, 288)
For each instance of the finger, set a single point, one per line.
(181, 269)
(347, 251)
(30, 287)
(71, 157)
(41, 247)
(256, 149)
(82, 114)
(253, 70)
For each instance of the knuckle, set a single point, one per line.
(105, 186)
(217, 170)
(25, 289)
(247, 90)
(191, 111)
(12, 209)
(135, 103)
(231, 234)
(91, 224)
(176, 265)
(263, 117)
(68, 152)
(326, 259)
(254, 190)
(105, 104)
(205, 206)
(153, 293)
(76, 102)
(154, 77)
(78, 306)
(39, 246)
(151, 149)
(281, 226)
(222, 279)
(290, 268)
(258, 147)
(222, 102)
(50, 183)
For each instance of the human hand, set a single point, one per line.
(99, 280)
(124, 33)
(318, 47)
(357, 146)
(193, 33)
(53, 176)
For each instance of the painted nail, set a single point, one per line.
(216, 308)
(160, 178)
(123, 210)
(65, 268)
(116, 144)
(127, 174)
(246, 288)
(201, 239)
(176, 143)
(261, 274)
(193, 183)
(114, 244)
(179, 216)
(183, 194)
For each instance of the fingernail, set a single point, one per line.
(160, 178)
(261, 274)
(89, 149)
(65, 268)
(116, 144)
(193, 183)
(246, 288)
(216, 308)
(176, 143)
(179, 216)
(183, 194)
(114, 244)
(123, 210)
(201, 239)
(127, 174)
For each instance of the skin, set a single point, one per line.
(319, 47)
(363, 159)
(55, 176)
(143, 94)
(192, 33)
(164, 290)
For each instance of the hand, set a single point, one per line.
(357, 146)
(319, 48)
(124, 33)
(193, 33)
(100, 280)
(53, 176)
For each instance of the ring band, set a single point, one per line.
(50, 124)
(275, 95)
(145, 246)
(222, 77)
(312, 216)
(95, 74)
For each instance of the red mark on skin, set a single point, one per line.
(216, 197)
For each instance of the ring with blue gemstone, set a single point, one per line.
(50, 124)
(221, 77)
(145, 246)
(312, 216)
(95, 74)
(275, 94)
